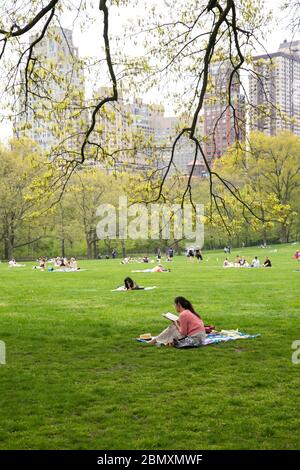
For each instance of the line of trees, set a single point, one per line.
(266, 171)
(35, 221)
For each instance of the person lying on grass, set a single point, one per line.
(156, 269)
(189, 326)
(13, 264)
(129, 284)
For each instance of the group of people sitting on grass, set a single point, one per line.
(146, 259)
(129, 259)
(241, 262)
(60, 263)
(63, 262)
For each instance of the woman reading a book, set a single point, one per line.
(187, 331)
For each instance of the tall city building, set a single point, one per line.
(274, 91)
(56, 92)
(135, 135)
(223, 124)
(185, 153)
(122, 132)
(164, 132)
(111, 135)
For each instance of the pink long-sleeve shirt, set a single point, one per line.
(190, 324)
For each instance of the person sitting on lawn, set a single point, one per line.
(43, 263)
(297, 255)
(255, 263)
(237, 263)
(63, 263)
(129, 284)
(74, 265)
(189, 327)
(227, 264)
(243, 262)
(267, 263)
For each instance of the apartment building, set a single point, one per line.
(224, 124)
(274, 91)
(54, 103)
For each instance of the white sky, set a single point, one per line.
(89, 46)
(90, 41)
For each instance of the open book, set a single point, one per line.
(170, 316)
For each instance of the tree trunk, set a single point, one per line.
(107, 243)
(29, 246)
(264, 236)
(8, 240)
(89, 249)
(8, 249)
(284, 233)
(63, 253)
(176, 246)
(123, 245)
(62, 232)
(95, 249)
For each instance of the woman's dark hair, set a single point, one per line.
(129, 283)
(186, 304)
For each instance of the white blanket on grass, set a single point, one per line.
(123, 289)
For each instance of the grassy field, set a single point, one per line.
(76, 379)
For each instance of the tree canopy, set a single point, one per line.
(168, 49)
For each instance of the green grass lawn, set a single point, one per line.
(76, 379)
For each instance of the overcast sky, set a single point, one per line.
(88, 46)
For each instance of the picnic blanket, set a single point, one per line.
(67, 270)
(148, 271)
(123, 289)
(226, 335)
(220, 337)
